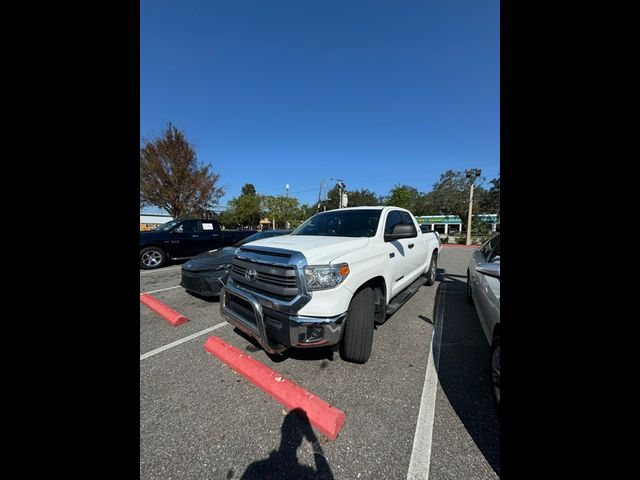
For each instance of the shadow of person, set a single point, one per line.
(283, 463)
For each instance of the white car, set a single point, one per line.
(330, 280)
(483, 291)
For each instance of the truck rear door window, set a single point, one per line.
(190, 226)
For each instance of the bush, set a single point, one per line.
(462, 240)
(444, 240)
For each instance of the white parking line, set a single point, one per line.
(162, 289)
(167, 269)
(421, 452)
(182, 340)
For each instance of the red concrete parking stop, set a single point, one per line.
(164, 310)
(325, 417)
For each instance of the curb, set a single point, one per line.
(325, 417)
(164, 310)
(452, 245)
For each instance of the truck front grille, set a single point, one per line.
(241, 307)
(279, 281)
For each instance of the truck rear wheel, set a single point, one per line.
(357, 340)
(433, 268)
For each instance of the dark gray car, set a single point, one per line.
(207, 273)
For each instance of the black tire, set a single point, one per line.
(357, 340)
(433, 268)
(469, 295)
(152, 257)
(495, 370)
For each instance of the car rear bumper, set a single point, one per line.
(274, 330)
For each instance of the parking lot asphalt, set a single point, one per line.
(199, 419)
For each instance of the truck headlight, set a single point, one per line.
(321, 277)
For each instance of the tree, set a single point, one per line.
(248, 189)
(246, 209)
(282, 209)
(228, 219)
(307, 211)
(422, 205)
(361, 198)
(172, 178)
(450, 195)
(333, 201)
(356, 198)
(490, 201)
(403, 196)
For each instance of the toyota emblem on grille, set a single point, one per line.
(250, 274)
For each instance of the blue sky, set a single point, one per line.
(373, 92)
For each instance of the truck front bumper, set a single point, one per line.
(275, 330)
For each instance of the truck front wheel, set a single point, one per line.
(152, 257)
(357, 340)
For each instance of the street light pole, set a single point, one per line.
(472, 174)
(341, 185)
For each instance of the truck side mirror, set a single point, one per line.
(401, 231)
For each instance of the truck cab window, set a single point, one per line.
(394, 218)
(190, 226)
(407, 220)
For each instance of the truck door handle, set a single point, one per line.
(196, 236)
(411, 245)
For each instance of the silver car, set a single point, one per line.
(483, 291)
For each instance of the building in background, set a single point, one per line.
(149, 221)
(452, 224)
(441, 223)
(491, 219)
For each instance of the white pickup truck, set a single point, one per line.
(330, 280)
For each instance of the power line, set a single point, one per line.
(304, 191)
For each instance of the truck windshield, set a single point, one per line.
(166, 226)
(341, 223)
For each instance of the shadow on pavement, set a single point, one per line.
(463, 370)
(283, 463)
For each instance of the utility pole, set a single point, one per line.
(340, 185)
(472, 174)
(321, 198)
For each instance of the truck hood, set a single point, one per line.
(319, 250)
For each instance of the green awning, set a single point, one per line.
(454, 219)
